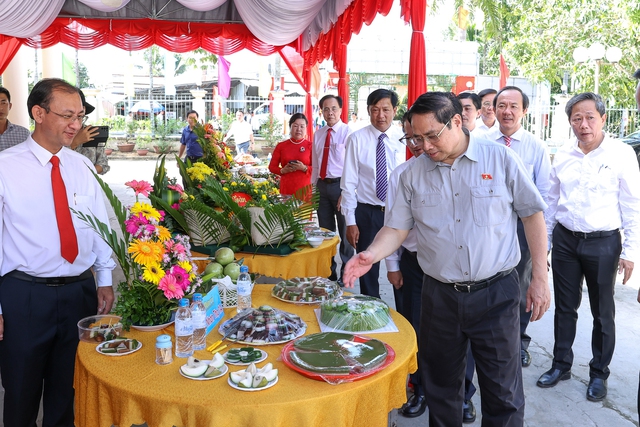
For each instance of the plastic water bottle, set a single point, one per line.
(244, 289)
(184, 330)
(269, 157)
(199, 319)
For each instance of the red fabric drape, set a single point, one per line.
(343, 83)
(295, 62)
(140, 34)
(9, 46)
(417, 57)
(504, 72)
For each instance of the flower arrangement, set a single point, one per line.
(157, 266)
(216, 154)
(247, 191)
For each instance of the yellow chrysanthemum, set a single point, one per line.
(225, 188)
(163, 233)
(146, 210)
(153, 273)
(199, 171)
(233, 184)
(264, 197)
(186, 265)
(146, 252)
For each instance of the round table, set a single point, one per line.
(308, 262)
(133, 389)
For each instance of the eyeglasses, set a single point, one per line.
(330, 110)
(82, 118)
(409, 141)
(4, 102)
(487, 104)
(433, 139)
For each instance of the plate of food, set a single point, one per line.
(253, 378)
(263, 326)
(306, 290)
(119, 347)
(204, 370)
(244, 356)
(337, 357)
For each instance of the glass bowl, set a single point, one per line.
(99, 328)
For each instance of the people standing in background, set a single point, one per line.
(48, 259)
(594, 193)
(636, 75)
(319, 121)
(372, 153)
(487, 120)
(10, 134)
(96, 155)
(471, 107)
(242, 134)
(189, 139)
(292, 159)
(405, 274)
(328, 163)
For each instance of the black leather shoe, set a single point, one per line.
(468, 412)
(415, 406)
(526, 358)
(552, 377)
(597, 389)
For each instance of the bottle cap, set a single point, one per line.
(197, 297)
(244, 269)
(163, 341)
(184, 302)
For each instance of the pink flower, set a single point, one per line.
(134, 223)
(170, 287)
(181, 276)
(178, 250)
(176, 187)
(221, 155)
(176, 206)
(140, 187)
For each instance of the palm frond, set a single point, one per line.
(175, 214)
(119, 210)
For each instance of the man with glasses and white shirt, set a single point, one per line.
(327, 161)
(487, 120)
(10, 134)
(463, 197)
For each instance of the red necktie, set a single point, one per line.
(68, 239)
(507, 140)
(325, 155)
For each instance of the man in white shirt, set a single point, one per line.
(594, 193)
(372, 154)
(471, 106)
(327, 161)
(47, 255)
(242, 134)
(405, 274)
(487, 120)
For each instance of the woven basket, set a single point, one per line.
(229, 297)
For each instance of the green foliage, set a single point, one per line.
(271, 131)
(115, 123)
(141, 303)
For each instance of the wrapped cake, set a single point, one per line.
(306, 290)
(356, 313)
(263, 325)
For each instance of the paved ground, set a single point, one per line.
(563, 405)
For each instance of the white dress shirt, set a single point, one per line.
(484, 128)
(358, 182)
(28, 229)
(411, 242)
(241, 131)
(598, 191)
(533, 153)
(336, 151)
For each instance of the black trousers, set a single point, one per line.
(412, 278)
(328, 216)
(370, 220)
(524, 270)
(489, 320)
(596, 260)
(39, 348)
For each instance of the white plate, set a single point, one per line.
(99, 346)
(151, 328)
(223, 371)
(269, 385)
(261, 359)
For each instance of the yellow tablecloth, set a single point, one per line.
(307, 262)
(133, 389)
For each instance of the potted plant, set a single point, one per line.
(271, 131)
(128, 144)
(143, 141)
(163, 145)
(108, 148)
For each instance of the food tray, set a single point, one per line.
(263, 326)
(306, 290)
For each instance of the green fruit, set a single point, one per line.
(212, 371)
(259, 381)
(193, 372)
(217, 362)
(236, 377)
(232, 270)
(214, 268)
(224, 256)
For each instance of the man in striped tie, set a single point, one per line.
(372, 154)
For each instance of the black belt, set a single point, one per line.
(50, 281)
(330, 180)
(411, 253)
(468, 287)
(592, 235)
(375, 207)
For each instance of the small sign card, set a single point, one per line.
(213, 305)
